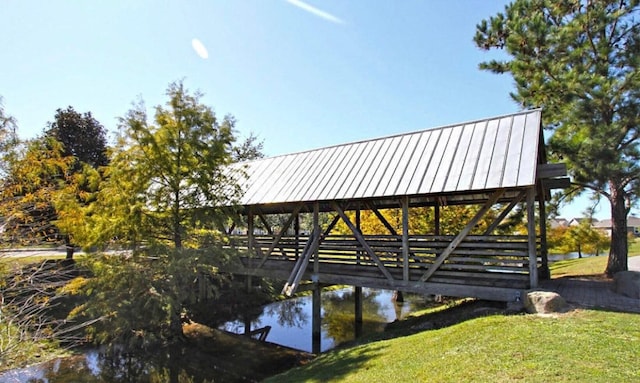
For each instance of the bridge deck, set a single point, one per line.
(488, 267)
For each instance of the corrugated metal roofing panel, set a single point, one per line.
(432, 138)
(529, 151)
(498, 152)
(368, 164)
(436, 161)
(447, 160)
(457, 162)
(512, 165)
(500, 148)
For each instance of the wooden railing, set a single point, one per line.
(501, 261)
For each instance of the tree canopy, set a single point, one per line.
(81, 135)
(162, 196)
(49, 180)
(579, 61)
(8, 137)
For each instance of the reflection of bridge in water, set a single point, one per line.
(495, 164)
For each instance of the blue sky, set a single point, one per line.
(299, 75)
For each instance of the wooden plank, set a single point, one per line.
(405, 238)
(531, 228)
(551, 170)
(361, 239)
(465, 231)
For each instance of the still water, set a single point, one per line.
(290, 322)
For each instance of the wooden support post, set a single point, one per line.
(358, 223)
(296, 227)
(544, 273)
(316, 320)
(405, 239)
(250, 243)
(531, 229)
(436, 213)
(316, 228)
(357, 290)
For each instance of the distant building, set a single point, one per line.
(558, 222)
(578, 221)
(633, 226)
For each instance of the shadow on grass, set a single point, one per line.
(353, 355)
(332, 366)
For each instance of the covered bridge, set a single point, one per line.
(495, 163)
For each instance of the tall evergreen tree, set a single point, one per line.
(579, 60)
(81, 135)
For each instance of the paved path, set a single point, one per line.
(634, 263)
(593, 293)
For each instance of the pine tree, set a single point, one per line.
(579, 61)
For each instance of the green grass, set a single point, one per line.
(589, 346)
(591, 266)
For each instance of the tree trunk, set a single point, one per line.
(579, 251)
(618, 251)
(69, 247)
(175, 326)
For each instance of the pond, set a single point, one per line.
(290, 320)
(573, 255)
(290, 326)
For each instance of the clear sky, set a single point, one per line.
(299, 75)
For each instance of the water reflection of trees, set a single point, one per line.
(289, 313)
(124, 368)
(338, 320)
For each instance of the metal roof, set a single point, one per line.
(499, 152)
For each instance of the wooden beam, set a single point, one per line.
(382, 219)
(405, 238)
(436, 214)
(504, 213)
(460, 237)
(316, 319)
(250, 242)
(362, 241)
(278, 237)
(300, 267)
(531, 229)
(557, 183)
(551, 170)
(296, 227)
(544, 272)
(316, 228)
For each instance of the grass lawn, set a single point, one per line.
(591, 266)
(579, 346)
(585, 346)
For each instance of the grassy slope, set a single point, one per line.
(593, 346)
(588, 346)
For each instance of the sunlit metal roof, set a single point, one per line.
(500, 152)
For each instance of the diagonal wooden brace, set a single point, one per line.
(504, 213)
(462, 235)
(362, 241)
(278, 237)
